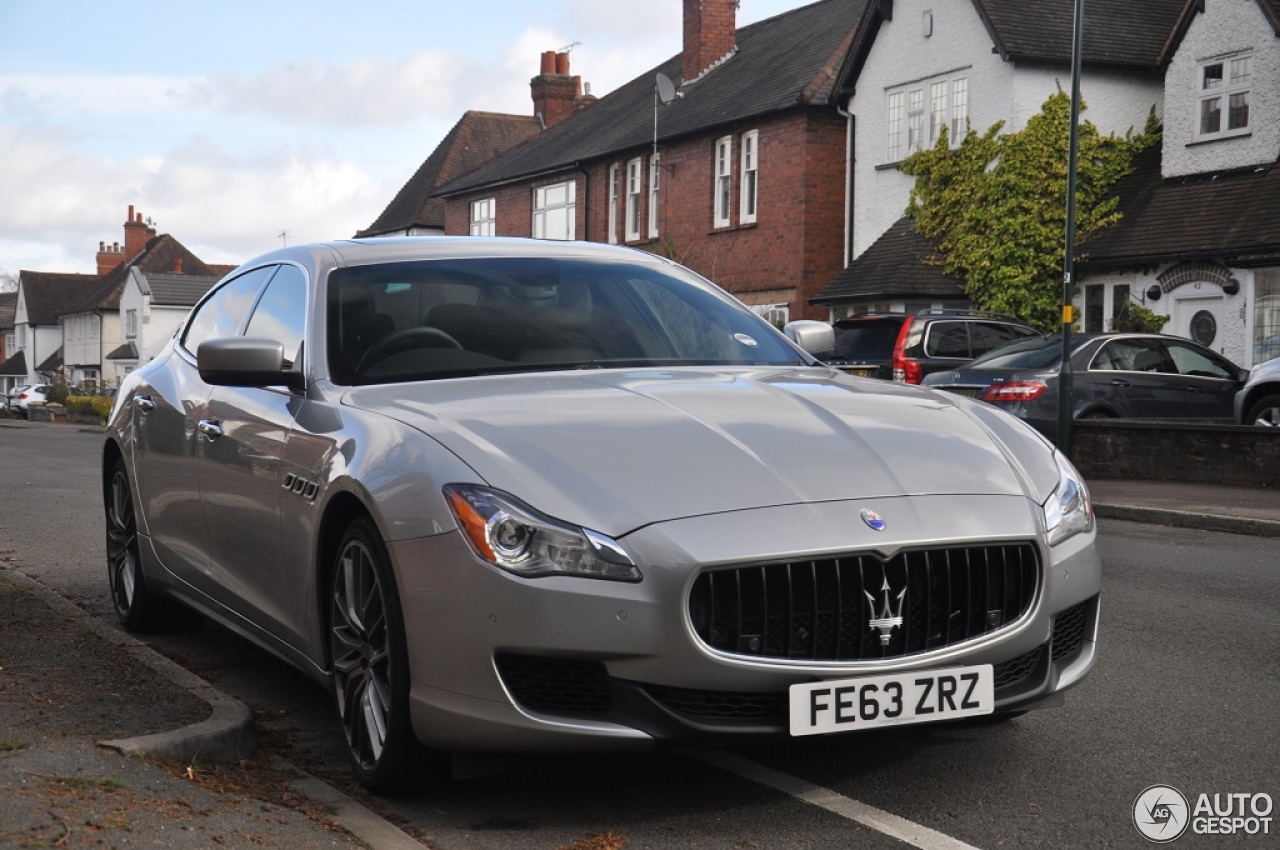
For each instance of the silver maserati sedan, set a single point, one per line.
(530, 496)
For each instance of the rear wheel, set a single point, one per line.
(1266, 413)
(138, 609)
(371, 668)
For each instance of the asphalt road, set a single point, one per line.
(1185, 694)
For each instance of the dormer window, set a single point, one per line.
(1224, 97)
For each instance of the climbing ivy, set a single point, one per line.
(996, 204)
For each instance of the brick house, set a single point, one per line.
(733, 170)
(971, 64)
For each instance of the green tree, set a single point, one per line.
(996, 205)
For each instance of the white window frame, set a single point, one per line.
(655, 180)
(131, 324)
(484, 217)
(775, 314)
(613, 203)
(635, 187)
(916, 112)
(749, 183)
(1233, 79)
(555, 211)
(722, 184)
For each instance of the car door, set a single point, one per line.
(167, 405)
(1208, 381)
(1132, 377)
(243, 434)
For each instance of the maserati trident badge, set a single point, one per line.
(872, 519)
(887, 619)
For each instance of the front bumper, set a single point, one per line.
(501, 663)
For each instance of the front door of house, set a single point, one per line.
(1199, 318)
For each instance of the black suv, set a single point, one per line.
(905, 347)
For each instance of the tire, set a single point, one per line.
(370, 672)
(137, 607)
(1266, 413)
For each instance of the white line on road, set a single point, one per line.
(846, 807)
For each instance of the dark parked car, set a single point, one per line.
(500, 494)
(1125, 375)
(1258, 402)
(905, 347)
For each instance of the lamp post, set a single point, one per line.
(1065, 401)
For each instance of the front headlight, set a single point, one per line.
(1069, 510)
(509, 534)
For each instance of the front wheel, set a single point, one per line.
(138, 609)
(371, 668)
(1266, 413)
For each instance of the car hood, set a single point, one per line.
(615, 450)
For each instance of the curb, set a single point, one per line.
(228, 734)
(1186, 519)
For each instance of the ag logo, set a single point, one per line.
(1161, 813)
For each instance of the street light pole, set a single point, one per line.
(1065, 401)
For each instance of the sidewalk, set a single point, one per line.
(71, 687)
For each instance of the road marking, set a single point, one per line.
(846, 807)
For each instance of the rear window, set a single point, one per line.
(1036, 353)
(867, 340)
(947, 339)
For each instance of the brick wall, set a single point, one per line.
(789, 253)
(1176, 451)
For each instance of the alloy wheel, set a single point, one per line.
(122, 543)
(361, 656)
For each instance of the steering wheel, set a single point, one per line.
(406, 339)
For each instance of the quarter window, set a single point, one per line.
(554, 211)
(1224, 97)
(484, 217)
(750, 172)
(723, 179)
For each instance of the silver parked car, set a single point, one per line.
(1258, 401)
(514, 495)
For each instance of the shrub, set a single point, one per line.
(90, 405)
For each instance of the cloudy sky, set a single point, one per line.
(236, 126)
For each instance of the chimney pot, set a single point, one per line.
(548, 64)
(562, 64)
(177, 265)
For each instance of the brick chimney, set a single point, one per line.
(554, 91)
(710, 35)
(136, 234)
(177, 265)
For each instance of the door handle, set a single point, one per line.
(1116, 382)
(144, 403)
(210, 428)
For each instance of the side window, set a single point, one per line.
(948, 339)
(989, 335)
(223, 313)
(281, 314)
(1192, 361)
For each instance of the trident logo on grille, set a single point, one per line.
(888, 619)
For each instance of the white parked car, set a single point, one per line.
(27, 396)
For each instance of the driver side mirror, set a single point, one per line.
(817, 338)
(245, 362)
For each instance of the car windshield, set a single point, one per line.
(1038, 353)
(448, 318)
(866, 339)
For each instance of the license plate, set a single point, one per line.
(842, 705)
(860, 371)
(971, 392)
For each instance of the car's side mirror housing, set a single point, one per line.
(817, 338)
(245, 362)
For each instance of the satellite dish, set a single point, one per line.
(666, 89)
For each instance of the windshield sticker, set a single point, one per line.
(746, 340)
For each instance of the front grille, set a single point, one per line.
(859, 607)
(555, 685)
(1068, 630)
